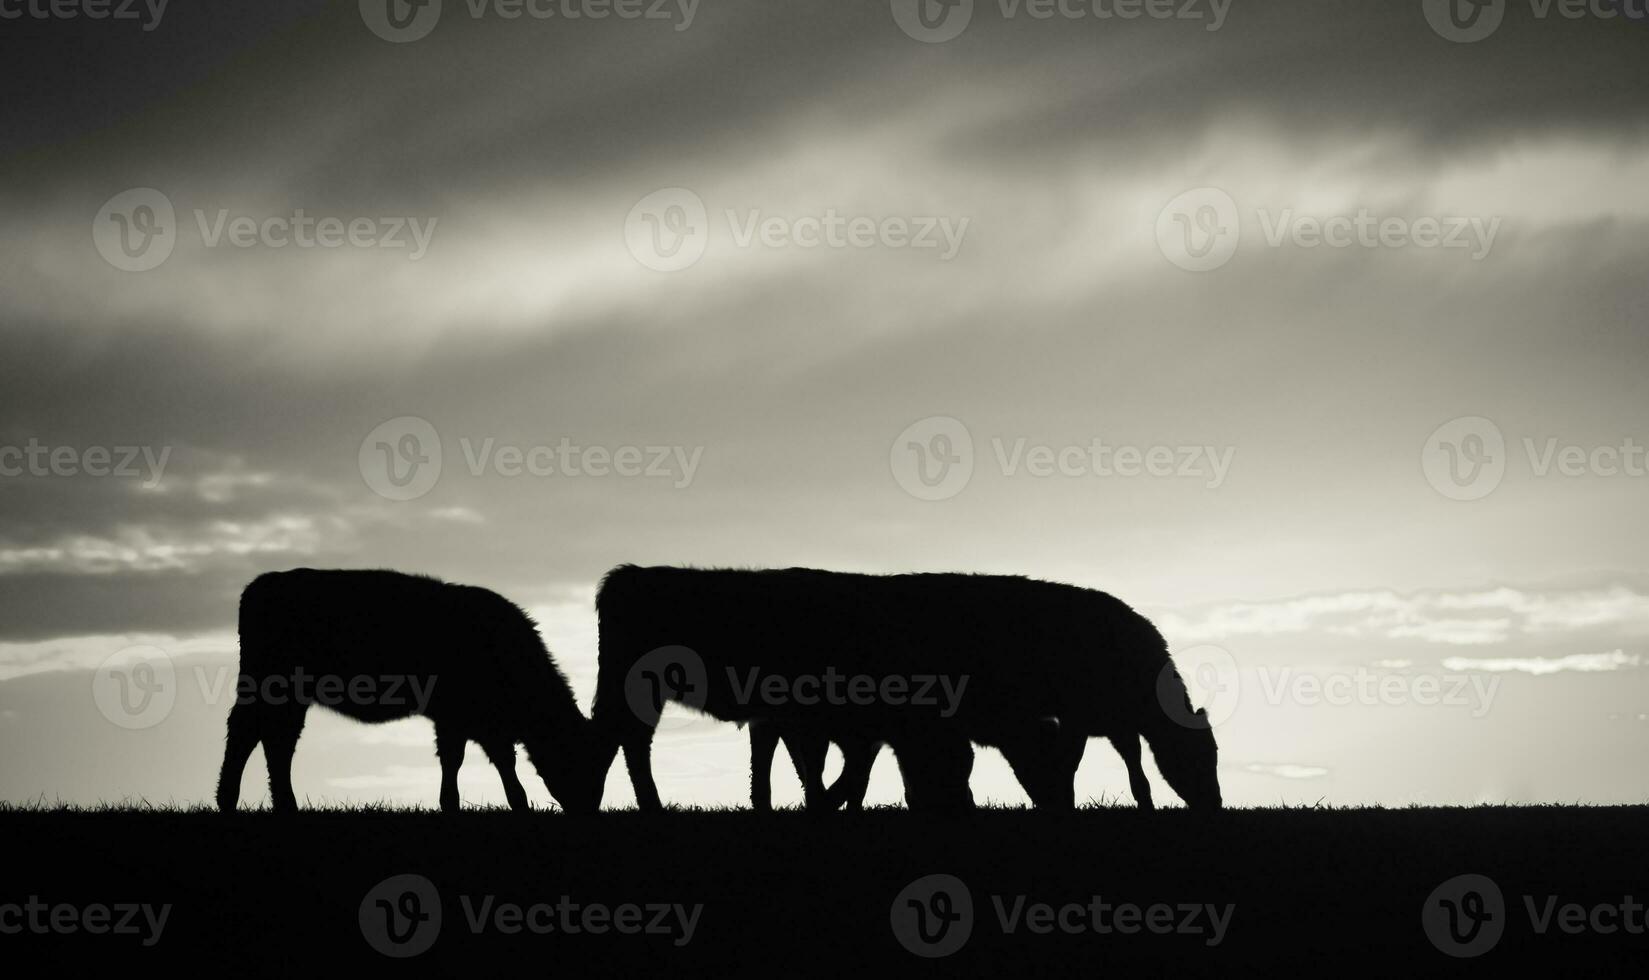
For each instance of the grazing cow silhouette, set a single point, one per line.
(1046, 666)
(394, 645)
(807, 750)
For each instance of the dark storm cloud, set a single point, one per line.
(1322, 71)
(481, 101)
(69, 78)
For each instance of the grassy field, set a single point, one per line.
(733, 892)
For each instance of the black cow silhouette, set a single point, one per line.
(465, 657)
(1047, 666)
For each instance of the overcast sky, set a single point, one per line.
(1402, 525)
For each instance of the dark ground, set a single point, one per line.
(1339, 891)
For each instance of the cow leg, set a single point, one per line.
(936, 767)
(242, 738)
(1044, 758)
(280, 726)
(502, 756)
(449, 748)
(1127, 746)
(638, 755)
(764, 741)
(807, 754)
(858, 757)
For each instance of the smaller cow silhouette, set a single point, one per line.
(382, 645)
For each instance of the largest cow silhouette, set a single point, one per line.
(381, 645)
(1038, 668)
